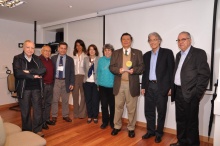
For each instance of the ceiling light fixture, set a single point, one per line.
(11, 3)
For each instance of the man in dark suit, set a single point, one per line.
(64, 81)
(156, 84)
(126, 64)
(191, 77)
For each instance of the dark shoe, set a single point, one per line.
(44, 126)
(40, 134)
(147, 135)
(89, 120)
(115, 131)
(95, 121)
(177, 144)
(103, 126)
(49, 122)
(158, 139)
(54, 119)
(67, 119)
(131, 133)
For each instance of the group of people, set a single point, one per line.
(114, 80)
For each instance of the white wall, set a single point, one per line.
(11, 34)
(168, 21)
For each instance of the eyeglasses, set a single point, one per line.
(154, 40)
(182, 40)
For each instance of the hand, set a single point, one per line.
(130, 71)
(71, 87)
(26, 71)
(121, 71)
(169, 93)
(37, 76)
(142, 91)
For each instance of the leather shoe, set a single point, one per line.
(158, 139)
(54, 119)
(103, 126)
(115, 131)
(89, 120)
(131, 133)
(177, 144)
(95, 121)
(147, 135)
(49, 122)
(44, 126)
(67, 119)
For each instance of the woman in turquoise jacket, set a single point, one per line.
(105, 81)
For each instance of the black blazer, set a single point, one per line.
(164, 70)
(195, 74)
(69, 71)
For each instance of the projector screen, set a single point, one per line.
(195, 16)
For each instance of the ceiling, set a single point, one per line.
(48, 11)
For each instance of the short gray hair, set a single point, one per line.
(187, 33)
(155, 34)
(107, 46)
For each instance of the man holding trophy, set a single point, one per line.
(126, 64)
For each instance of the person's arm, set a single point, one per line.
(114, 64)
(171, 65)
(139, 68)
(72, 73)
(203, 74)
(19, 72)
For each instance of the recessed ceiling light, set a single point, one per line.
(70, 6)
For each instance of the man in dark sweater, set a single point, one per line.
(28, 71)
(48, 79)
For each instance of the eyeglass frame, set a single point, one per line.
(182, 40)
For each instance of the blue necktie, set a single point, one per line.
(61, 64)
(91, 69)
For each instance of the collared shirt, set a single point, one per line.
(78, 61)
(28, 59)
(57, 65)
(91, 78)
(153, 63)
(177, 79)
(129, 51)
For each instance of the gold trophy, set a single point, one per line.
(129, 65)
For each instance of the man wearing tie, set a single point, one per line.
(64, 81)
(126, 64)
(156, 85)
(191, 77)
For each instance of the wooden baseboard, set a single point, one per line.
(169, 130)
(6, 106)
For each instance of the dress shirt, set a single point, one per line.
(177, 80)
(57, 65)
(153, 63)
(129, 51)
(78, 61)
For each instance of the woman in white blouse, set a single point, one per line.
(79, 53)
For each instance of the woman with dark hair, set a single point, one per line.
(79, 53)
(105, 80)
(90, 83)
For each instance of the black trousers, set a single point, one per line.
(154, 100)
(31, 98)
(187, 119)
(108, 104)
(92, 99)
(46, 101)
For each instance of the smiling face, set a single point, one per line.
(154, 42)
(46, 52)
(107, 52)
(62, 49)
(28, 48)
(184, 41)
(79, 48)
(126, 41)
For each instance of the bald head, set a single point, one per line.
(46, 51)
